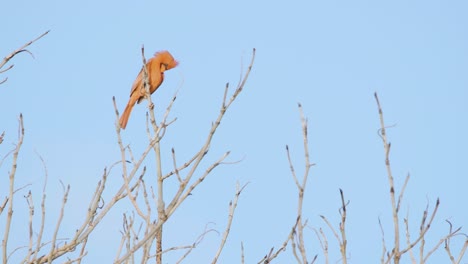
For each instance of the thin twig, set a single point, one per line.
(176, 170)
(3, 204)
(30, 202)
(387, 146)
(191, 247)
(442, 240)
(11, 189)
(242, 253)
(232, 209)
(447, 244)
(16, 52)
(302, 186)
(344, 241)
(424, 228)
(322, 238)
(59, 222)
(270, 256)
(335, 233)
(298, 228)
(408, 237)
(400, 197)
(384, 248)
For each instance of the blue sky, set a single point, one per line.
(330, 56)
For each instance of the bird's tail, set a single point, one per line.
(126, 114)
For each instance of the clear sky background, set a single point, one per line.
(331, 56)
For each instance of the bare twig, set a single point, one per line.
(30, 203)
(59, 222)
(191, 247)
(242, 253)
(400, 198)
(43, 212)
(408, 238)
(16, 52)
(424, 228)
(82, 233)
(387, 146)
(3, 204)
(344, 241)
(322, 238)
(426, 221)
(232, 209)
(11, 189)
(298, 228)
(125, 235)
(179, 169)
(335, 233)
(270, 256)
(442, 240)
(447, 241)
(185, 191)
(301, 186)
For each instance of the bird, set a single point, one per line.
(156, 66)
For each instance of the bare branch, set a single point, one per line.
(59, 222)
(16, 52)
(408, 238)
(298, 228)
(178, 169)
(291, 167)
(424, 228)
(442, 240)
(232, 209)
(322, 238)
(184, 188)
(30, 203)
(191, 247)
(344, 241)
(12, 189)
(270, 256)
(400, 198)
(384, 248)
(242, 253)
(3, 204)
(387, 146)
(335, 233)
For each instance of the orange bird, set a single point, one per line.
(156, 66)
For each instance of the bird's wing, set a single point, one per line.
(137, 83)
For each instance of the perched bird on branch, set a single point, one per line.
(156, 66)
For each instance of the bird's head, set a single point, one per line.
(166, 60)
